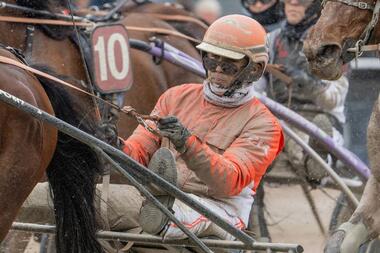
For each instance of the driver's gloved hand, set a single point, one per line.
(173, 129)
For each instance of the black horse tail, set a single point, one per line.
(72, 175)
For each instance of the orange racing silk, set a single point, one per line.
(229, 149)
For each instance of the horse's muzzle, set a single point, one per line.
(324, 60)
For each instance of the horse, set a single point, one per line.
(76, 176)
(53, 47)
(30, 147)
(342, 25)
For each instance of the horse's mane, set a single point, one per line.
(73, 172)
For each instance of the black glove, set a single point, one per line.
(304, 81)
(171, 128)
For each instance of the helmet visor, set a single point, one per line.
(207, 47)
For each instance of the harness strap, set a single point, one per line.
(371, 26)
(161, 30)
(10, 61)
(44, 21)
(180, 18)
(90, 24)
(360, 5)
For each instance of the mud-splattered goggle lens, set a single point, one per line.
(228, 68)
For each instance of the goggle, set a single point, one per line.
(253, 2)
(227, 68)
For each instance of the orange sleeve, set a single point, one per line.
(244, 162)
(142, 144)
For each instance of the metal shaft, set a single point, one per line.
(333, 174)
(156, 240)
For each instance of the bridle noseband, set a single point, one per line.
(359, 5)
(367, 33)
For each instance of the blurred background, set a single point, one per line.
(363, 91)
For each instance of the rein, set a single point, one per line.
(161, 31)
(361, 45)
(179, 18)
(91, 24)
(39, 21)
(141, 119)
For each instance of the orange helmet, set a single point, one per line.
(236, 36)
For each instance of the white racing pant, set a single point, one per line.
(124, 205)
(199, 224)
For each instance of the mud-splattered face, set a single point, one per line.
(222, 71)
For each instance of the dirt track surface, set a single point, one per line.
(290, 217)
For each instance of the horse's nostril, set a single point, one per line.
(328, 51)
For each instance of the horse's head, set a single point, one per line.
(340, 26)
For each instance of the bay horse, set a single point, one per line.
(30, 147)
(27, 145)
(341, 25)
(53, 47)
(74, 168)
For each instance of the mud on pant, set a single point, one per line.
(124, 205)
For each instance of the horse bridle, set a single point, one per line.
(367, 33)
